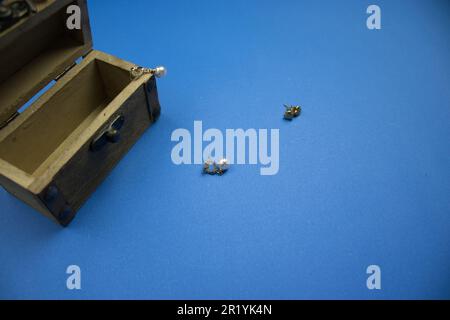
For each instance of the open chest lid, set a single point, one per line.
(38, 48)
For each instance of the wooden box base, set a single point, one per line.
(47, 156)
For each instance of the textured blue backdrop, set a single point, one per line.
(364, 174)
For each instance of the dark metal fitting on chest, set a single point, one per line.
(111, 134)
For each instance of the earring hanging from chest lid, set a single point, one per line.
(137, 72)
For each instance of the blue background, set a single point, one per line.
(364, 172)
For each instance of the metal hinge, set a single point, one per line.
(65, 71)
(10, 119)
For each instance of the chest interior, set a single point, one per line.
(43, 132)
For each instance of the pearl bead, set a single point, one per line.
(223, 166)
(160, 72)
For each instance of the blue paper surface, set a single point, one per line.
(364, 176)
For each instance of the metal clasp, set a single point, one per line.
(111, 134)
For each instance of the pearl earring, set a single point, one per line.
(222, 166)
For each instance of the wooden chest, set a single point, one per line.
(55, 152)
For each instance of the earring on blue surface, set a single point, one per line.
(212, 168)
(292, 112)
